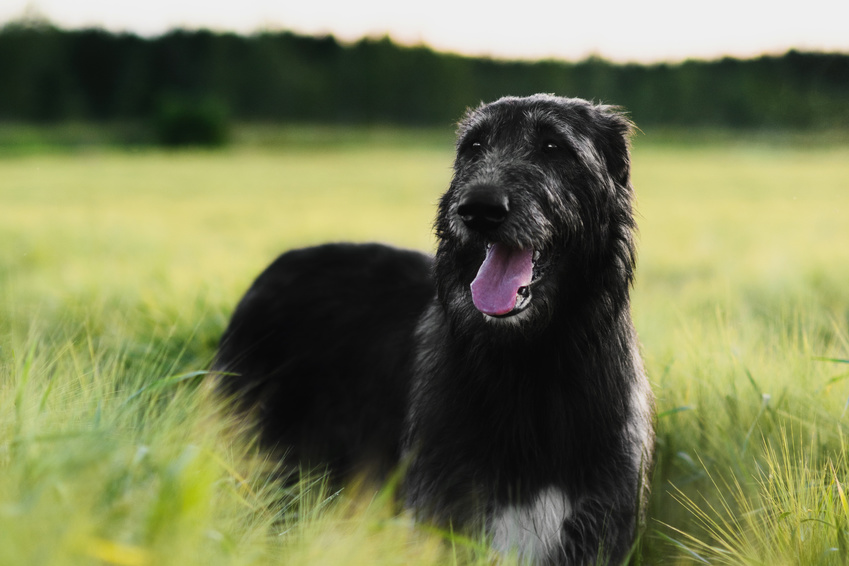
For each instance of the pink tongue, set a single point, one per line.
(504, 270)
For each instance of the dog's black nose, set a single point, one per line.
(483, 208)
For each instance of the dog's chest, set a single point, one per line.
(533, 530)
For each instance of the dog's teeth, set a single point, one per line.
(536, 256)
(488, 245)
(522, 299)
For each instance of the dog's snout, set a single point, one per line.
(483, 207)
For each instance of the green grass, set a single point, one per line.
(741, 293)
(118, 271)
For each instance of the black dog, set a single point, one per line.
(505, 373)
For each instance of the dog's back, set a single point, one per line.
(320, 348)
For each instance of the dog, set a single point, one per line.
(504, 374)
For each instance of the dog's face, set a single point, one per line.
(539, 205)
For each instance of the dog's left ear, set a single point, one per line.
(614, 130)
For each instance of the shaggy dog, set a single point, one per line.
(504, 373)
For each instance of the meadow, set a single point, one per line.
(119, 269)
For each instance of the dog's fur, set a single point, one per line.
(534, 420)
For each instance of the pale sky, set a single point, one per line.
(621, 30)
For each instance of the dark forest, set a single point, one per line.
(50, 75)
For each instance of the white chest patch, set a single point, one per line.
(532, 531)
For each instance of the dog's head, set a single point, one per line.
(539, 208)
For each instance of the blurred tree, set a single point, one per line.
(190, 121)
(48, 74)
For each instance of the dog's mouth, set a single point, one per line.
(503, 285)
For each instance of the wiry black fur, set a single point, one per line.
(320, 347)
(343, 347)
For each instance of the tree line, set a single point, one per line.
(48, 74)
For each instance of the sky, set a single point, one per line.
(620, 30)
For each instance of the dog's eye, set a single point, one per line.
(472, 147)
(556, 149)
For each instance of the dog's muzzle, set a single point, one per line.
(502, 286)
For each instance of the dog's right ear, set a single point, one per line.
(614, 130)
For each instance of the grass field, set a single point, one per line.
(118, 271)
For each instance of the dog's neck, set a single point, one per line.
(510, 387)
